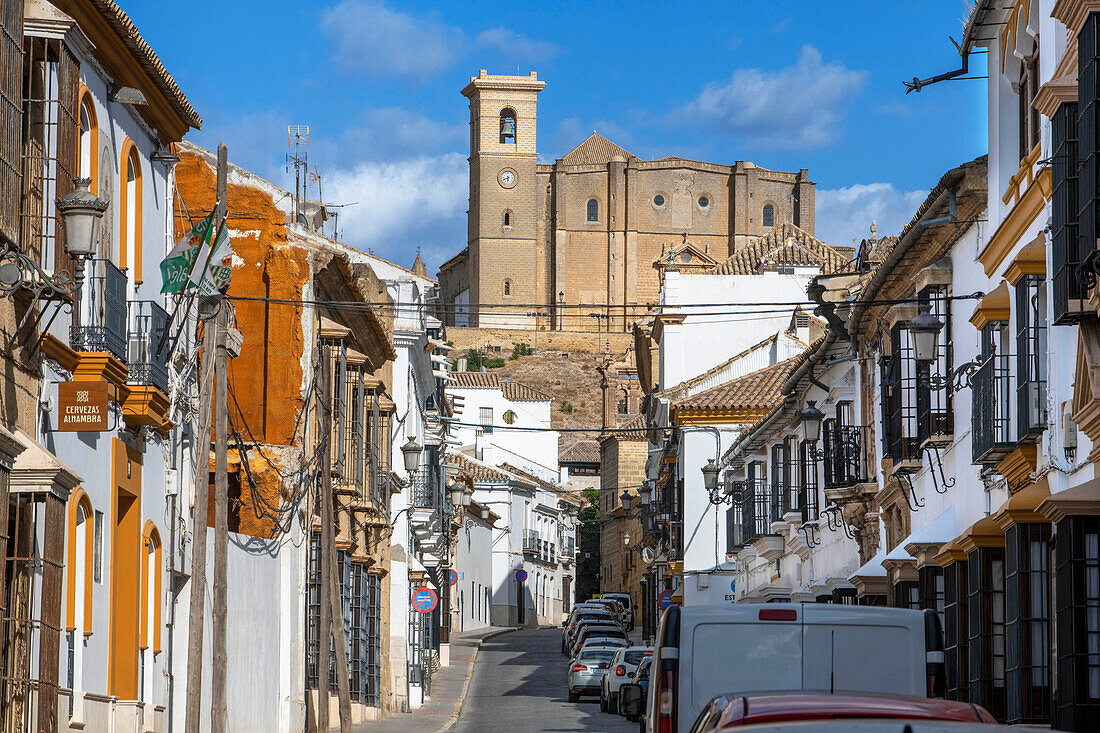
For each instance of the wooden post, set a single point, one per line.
(198, 535)
(329, 586)
(324, 634)
(221, 484)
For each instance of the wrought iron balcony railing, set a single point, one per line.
(531, 540)
(102, 321)
(148, 331)
(756, 510)
(843, 456)
(991, 438)
(426, 493)
(570, 547)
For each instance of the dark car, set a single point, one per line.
(736, 710)
(639, 683)
(597, 630)
(595, 616)
(575, 629)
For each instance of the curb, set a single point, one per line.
(453, 720)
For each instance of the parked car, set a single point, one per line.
(626, 604)
(790, 646)
(585, 671)
(890, 725)
(614, 606)
(733, 711)
(603, 631)
(619, 672)
(639, 687)
(604, 641)
(575, 631)
(597, 616)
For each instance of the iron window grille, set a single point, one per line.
(148, 329)
(1028, 117)
(955, 630)
(51, 76)
(844, 596)
(426, 493)
(102, 320)
(1077, 622)
(986, 628)
(935, 416)
(906, 594)
(807, 472)
(901, 435)
(779, 495)
(757, 505)
(930, 578)
(735, 525)
(1031, 351)
(11, 119)
(843, 449)
(792, 479)
(991, 389)
(1067, 248)
(1027, 623)
(1088, 153)
(531, 540)
(485, 416)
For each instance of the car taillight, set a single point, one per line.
(580, 668)
(666, 702)
(620, 670)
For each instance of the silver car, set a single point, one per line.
(586, 671)
(618, 673)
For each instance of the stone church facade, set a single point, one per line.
(579, 244)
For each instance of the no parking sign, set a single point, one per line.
(424, 600)
(521, 575)
(665, 599)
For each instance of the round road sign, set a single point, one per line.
(452, 577)
(665, 599)
(521, 575)
(424, 600)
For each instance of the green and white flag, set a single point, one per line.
(218, 265)
(175, 267)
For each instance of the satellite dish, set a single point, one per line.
(647, 555)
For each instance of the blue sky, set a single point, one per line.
(787, 85)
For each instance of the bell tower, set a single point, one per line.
(503, 196)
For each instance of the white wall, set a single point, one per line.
(472, 596)
(535, 451)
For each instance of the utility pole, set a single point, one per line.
(221, 482)
(332, 617)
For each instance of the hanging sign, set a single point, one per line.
(521, 575)
(424, 600)
(82, 406)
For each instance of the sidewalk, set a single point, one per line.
(449, 686)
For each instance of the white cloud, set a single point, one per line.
(515, 46)
(370, 39)
(402, 205)
(844, 215)
(798, 107)
(390, 133)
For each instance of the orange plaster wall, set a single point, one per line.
(267, 377)
(246, 501)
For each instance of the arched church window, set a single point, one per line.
(593, 210)
(507, 218)
(623, 405)
(507, 287)
(507, 126)
(769, 215)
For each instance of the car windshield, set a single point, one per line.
(633, 657)
(643, 669)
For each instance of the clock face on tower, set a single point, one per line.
(507, 178)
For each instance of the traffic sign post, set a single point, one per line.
(521, 575)
(665, 599)
(424, 600)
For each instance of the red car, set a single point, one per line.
(732, 711)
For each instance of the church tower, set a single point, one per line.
(503, 265)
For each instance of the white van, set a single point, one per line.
(704, 651)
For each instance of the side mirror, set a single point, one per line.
(565, 623)
(630, 700)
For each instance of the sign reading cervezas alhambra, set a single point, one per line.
(83, 406)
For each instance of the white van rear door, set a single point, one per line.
(743, 657)
(848, 650)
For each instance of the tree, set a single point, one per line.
(588, 555)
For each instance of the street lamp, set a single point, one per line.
(626, 539)
(645, 493)
(925, 328)
(411, 451)
(456, 489)
(626, 499)
(484, 513)
(710, 476)
(467, 496)
(811, 418)
(81, 211)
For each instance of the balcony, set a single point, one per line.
(755, 510)
(843, 462)
(148, 347)
(531, 541)
(991, 436)
(102, 322)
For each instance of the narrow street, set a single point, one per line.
(519, 680)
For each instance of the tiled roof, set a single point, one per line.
(760, 389)
(530, 477)
(633, 429)
(477, 470)
(685, 386)
(597, 149)
(785, 245)
(582, 451)
(148, 60)
(514, 391)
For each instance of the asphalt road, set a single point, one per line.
(519, 684)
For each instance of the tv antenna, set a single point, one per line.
(298, 138)
(315, 175)
(331, 208)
